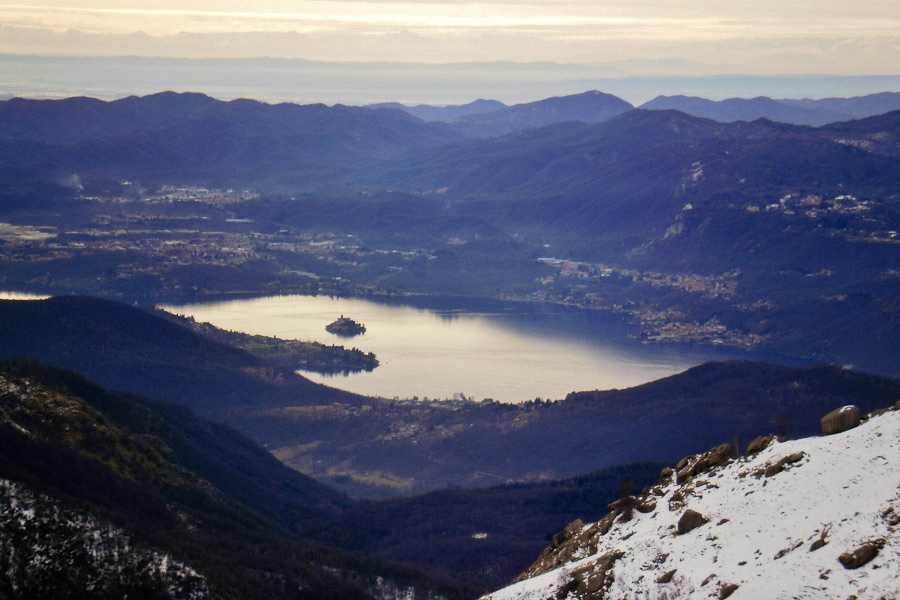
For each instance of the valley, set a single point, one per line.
(182, 247)
(379, 447)
(209, 447)
(725, 234)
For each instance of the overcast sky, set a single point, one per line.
(689, 37)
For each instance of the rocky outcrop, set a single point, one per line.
(771, 469)
(580, 538)
(561, 549)
(691, 466)
(566, 534)
(591, 581)
(861, 555)
(760, 444)
(840, 420)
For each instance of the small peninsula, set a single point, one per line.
(290, 354)
(345, 327)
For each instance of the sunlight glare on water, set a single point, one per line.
(507, 352)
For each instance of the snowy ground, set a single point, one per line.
(48, 550)
(761, 529)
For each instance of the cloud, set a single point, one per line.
(696, 19)
(769, 36)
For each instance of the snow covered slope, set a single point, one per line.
(49, 550)
(779, 523)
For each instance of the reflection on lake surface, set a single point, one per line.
(21, 296)
(511, 352)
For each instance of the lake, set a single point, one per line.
(444, 348)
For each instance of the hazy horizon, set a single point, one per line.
(450, 51)
(692, 38)
(358, 83)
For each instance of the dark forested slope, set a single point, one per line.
(132, 349)
(171, 482)
(190, 139)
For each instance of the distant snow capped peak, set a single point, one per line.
(811, 518)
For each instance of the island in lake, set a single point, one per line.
(345, 326)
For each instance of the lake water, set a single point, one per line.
(21, 296)
(511, 352)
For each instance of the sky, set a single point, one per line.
(658, 37)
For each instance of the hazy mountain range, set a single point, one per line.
(751, 233)
(801, 220)
(797, 112)
(191, 138)
(304, 81)
(579, 108)
(589, 107)
(427, 112)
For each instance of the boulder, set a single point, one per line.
(690, 520)
(862, 555)
(606, 523)
(622, 504)
(645, 505)
(760, 443)
(727, 590)
(714, 457)
(666, 476)
(842, 419)
(667, 577)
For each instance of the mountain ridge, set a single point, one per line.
(50, 548)
(448, 113)
(589, 107)
(798, 112)
(170, 137)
